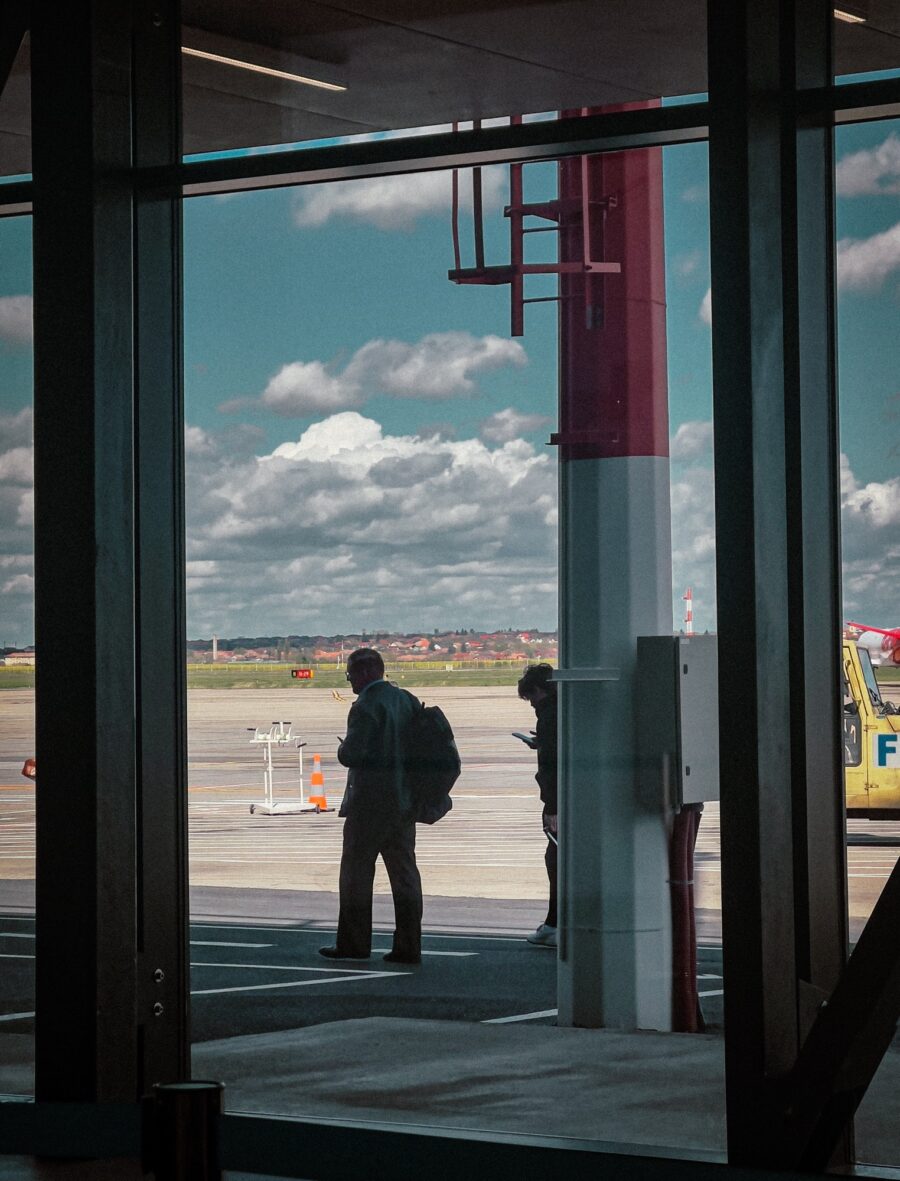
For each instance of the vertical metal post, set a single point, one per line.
(777, 550)
(615, 584)
(159, 457)
(84, 554)
(111, 877)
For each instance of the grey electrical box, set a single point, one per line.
(678, 717)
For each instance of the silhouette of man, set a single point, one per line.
(378, 816)
(538, 687)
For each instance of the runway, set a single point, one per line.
(489, 847)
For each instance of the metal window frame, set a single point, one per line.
(151, 183)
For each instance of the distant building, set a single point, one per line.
(26, 658)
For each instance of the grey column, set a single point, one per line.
(783, 877)
(106, 565)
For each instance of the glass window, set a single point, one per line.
(17, 664)
(868, 221)
(280, 75)
(15, 113)
(865, 40)
(367, 467)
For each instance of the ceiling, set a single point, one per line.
(419, 63)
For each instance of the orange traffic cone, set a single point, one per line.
(317, 786)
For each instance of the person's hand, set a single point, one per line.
(550, 823)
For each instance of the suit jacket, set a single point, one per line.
(373, 751)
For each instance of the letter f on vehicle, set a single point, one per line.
(887, 746)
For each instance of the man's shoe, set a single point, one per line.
(335, 953)
(393, 958)
(544, 936)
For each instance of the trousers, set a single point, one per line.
(365, 838)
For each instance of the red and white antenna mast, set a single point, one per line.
(688, 598)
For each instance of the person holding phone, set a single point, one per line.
(537, 687)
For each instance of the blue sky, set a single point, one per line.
(367, 446)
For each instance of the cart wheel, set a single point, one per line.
(252, 809)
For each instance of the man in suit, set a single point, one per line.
(378, 816)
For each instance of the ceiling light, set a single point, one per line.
(241, 65)
(850, 18)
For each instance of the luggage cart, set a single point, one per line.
(279, 735)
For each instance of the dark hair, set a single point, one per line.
(366, 656)
(537, 676)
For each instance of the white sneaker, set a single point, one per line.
(544, 936)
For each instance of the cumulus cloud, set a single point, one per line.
(306, 387)
(351, 526)
(16, 522)
(510, 424)
(438, 366)
(705, 309)
(870, 171)
(692, 440)
(394, 202)
(870, 516)
(863, 264)
(16, 313)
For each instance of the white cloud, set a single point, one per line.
(16, 523)
(395, 202)
(16, 315)
(705, 309)
(306, 387)
(863, 264)
(438, 366)
(870, 171)
(16, 430)
(349, 526)
(17, 465)
(19, 584)
(510, 424)
(692, 440)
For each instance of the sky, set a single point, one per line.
(366, 444)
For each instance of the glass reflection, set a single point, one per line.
(255, 79)
(17, 664)
(367, 467)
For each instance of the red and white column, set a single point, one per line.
(615, 584)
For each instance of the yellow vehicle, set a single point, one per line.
(871, 741)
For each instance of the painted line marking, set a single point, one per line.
(521, 1017)
(215, 943)
(292, 983)
(709, 976)
(458, 954)
(713, 992)
(16, 935)
(9, 955)
(319, 931)
(16, 1016)
(287, 968)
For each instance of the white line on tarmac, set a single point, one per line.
(460, 954)
(713, 992)
(215, 943)
(9, 955)
(16, 1016)
(283, 968)
(15, 935)
(292, 983)
(520, 1017)
(319, 931)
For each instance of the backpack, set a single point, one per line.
(431, 762)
